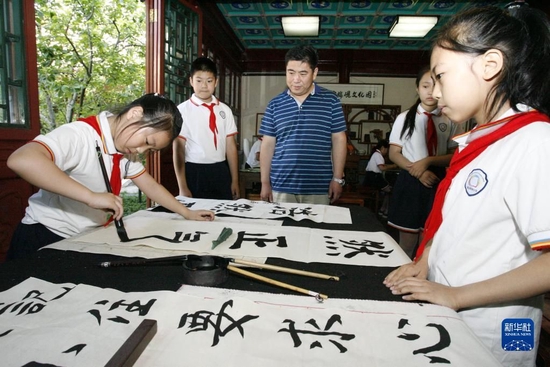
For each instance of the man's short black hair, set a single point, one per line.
(304, 53)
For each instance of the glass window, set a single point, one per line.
(181, 45)
(12, 66)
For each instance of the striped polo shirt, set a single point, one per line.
(302, 161)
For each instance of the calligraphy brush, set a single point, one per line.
(318, 296)
(120, 230)
(286, 270)
(169, 260)
(226, 232)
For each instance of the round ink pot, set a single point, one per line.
(205, 270)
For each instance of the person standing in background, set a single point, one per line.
(374, 174)
(253, 160)
(421, 145)
(303, 151)
(205, 155)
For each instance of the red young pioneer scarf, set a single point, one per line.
(212, 122)
(462, 158)
(116, 179)
(431, 135)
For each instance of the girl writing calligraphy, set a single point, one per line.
(64, 164)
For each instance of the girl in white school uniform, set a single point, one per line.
(374, 174)
(485, 249)
(64, 164)
(422, 161)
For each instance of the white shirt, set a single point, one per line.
(375, 160)
(414, 148)
(73, 149)
(495, 210)
(251, 160)
(199, 139)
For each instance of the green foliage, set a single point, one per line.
(133, 203)
(91, 57)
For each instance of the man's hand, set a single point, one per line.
(266, 194)
(334, 191)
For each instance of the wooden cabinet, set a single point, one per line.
(369, 123)
(366, 125)
(354, 171)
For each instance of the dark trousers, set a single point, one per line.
(209, 181)
(29, 238)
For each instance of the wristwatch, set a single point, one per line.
(341, 181)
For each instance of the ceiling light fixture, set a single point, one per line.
(303, 26)
(412, 26)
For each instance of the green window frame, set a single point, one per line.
(181, 48)
(13, 83)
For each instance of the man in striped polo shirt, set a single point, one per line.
(303, 151)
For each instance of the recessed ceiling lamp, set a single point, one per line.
(306, 26)
(412, 26)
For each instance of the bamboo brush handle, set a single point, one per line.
(276, 282)
(287, 270)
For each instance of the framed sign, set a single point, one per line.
(358, 93)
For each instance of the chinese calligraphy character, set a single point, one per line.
(31, 303)
(202, 320)
(257, 239)
(444, 341)
(231, 207)
(291, 212)
(136, 306)
(333, 336)
(364, 247)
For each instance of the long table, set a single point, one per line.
(349, 299)
(79, 267)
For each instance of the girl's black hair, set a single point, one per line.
(410, 118)
(159, 113)
(522, 35)
(382, 143)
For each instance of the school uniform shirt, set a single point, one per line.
(495, 216)
(251, 160)
(73, 149)
(375, 160)
(199, 139)
(415, 148)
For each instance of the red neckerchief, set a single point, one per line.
(116, 179)
(212, 122)
(431, 135)
(212, 116)
(468, 154)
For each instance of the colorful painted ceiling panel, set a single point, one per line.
(344, 24)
